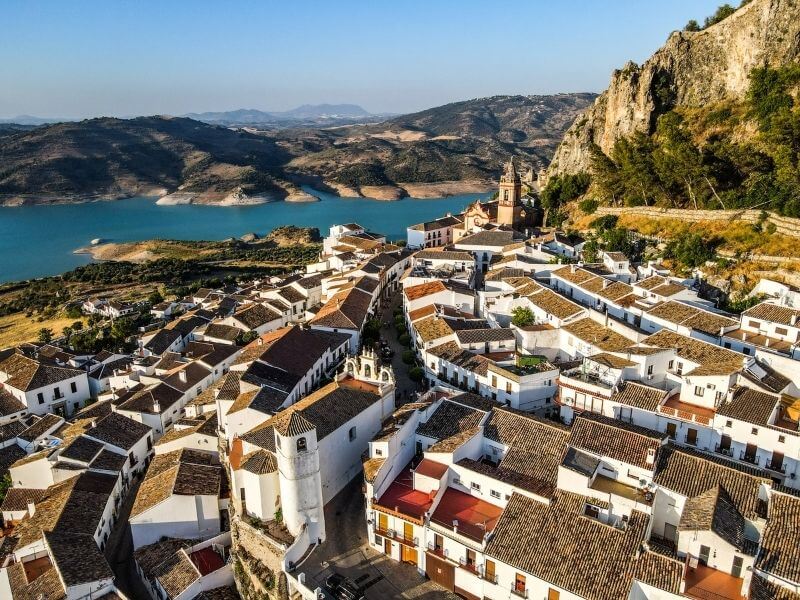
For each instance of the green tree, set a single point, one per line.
(409, 357)
(5, 485)
(77, 326)
(246, 337)
(692, 25)
(155, 297)
(522, 316)
(722, 12)
(45, 335)
(691, 250)
(416, 374)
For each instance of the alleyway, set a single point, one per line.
(405, 388)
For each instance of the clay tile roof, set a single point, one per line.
(47, 585)
(556, 543)
(712, 360)
(324, 410)
(18, 498)
(471, 336)
(454, 354)
(690, 473)
(594, 333)
(432, 328)
(616, 439)
(81, 449)
(780, 542)
(9, 404)
(425, 311)
(750, 406)
(450, 418)
(183, 472)
(761, 589)
(77, 558)
(659, 571)
(371, 468)
(639, 395)
(431, 468)
(254, 316)
(535, 449)
(222, 332)
(259, 462)
(714, 510)
(415, 292)
(651, 282)
(773, 313)
(27, 374)
(610, 360)
(41, 427)
(555, 304)
(118, 430)
(176, 573)
(347, 309)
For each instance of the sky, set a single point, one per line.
(82, 59)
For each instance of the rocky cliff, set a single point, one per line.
(691, 69)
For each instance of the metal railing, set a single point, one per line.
(519, 592)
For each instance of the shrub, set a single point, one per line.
(404, 339)
(522, 316)
(409, 357)
(588, 205)
(415, 374)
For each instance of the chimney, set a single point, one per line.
(605, 283)
(94, 423)
(182, 375)
(31, 508)
(156, 406)
(793, 320)
(216, 393)
(572, 267)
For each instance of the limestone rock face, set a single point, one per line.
(691, 69)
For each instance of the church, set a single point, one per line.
(508, 213)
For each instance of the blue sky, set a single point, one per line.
(82, 58)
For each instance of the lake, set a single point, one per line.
(36, 241)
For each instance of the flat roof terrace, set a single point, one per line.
(474, 516)
(402, 499)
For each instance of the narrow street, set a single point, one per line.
(404, 387)
(119, 550)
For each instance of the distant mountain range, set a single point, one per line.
(307, 114)
(445, 150)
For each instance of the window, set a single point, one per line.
(457, 480)
(781, 331)
(781, 439)
(728, 423)
(672, 362)
(746, 351)
(73, 387)
(494, 381)
(508, 387)
(519, 582)
(40, 397)
(301, 444)
(495, 494)
(754, 324)
(352, 434)
(378, 452)
(698, 391)
(591, 511)
(650, 369)
(754, 431)
(57, 393)
(475, 486)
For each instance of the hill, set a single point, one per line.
(440, 151)
(109, 158)
(307, 115)
(420, 153)
(711, 120)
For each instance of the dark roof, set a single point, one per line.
(449, 419)
(761, 589)
(749, 405)
(472, 336)
(41, 427)
(325, 410)
(254, 316)
(780, 542)
(347, 309)
(616, 439)
(11, 429)
(109, 461)
(81, 449)
(118, 430)
(9, 404)
(222, 332)
(555, 542)
(690, 473)
(145, 400)
(162, 340)
(27, 374)
(77, 558)
(492, 239)
(714, 510)
(194, 373)
(259, 462)
(17, 498)
(210, 353)
(261, 374)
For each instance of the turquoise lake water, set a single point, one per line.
(36, 241)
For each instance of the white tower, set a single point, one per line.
(297, 455)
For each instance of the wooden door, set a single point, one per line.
(750, 452)
(553, 594)
(383, 522)
(776, 464)
(691, 437)
(387, 546)
(671, 429)
(408, 555)
(440, 571)
(408, 532)
(489, 570)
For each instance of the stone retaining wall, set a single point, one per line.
(784, 225)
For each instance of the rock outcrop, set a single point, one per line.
(691, 69)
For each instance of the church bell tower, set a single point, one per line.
(509, 206)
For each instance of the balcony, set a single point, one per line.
(438, 551)
(467, 566)
(724, 450)
(397, 537)
(776, 467)
(751, 459)
(590, 381)
(519, 592)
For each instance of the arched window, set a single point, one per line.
(505, 195)
(367, 371)
(301, 444)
